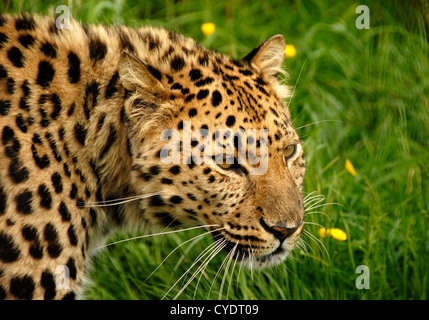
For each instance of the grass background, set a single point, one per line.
(362, 95)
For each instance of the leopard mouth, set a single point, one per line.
(243, 253)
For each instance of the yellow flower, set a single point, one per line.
(290, 51)
(208, 28)
(335, 233)
(350, 169)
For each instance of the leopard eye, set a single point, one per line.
(289, 152)
(235, 166)
(227, 162)
(225, 166)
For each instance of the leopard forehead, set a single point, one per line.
(82, 112)
(227, 95)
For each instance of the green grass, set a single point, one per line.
(361, 95)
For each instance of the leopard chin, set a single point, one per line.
(247, 255)
(274, 258)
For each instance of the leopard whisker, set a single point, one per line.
(155, 234)
(203, 268)
(306, 214)
(311, 205)
(316, 122)
(217, 274)
(306, 246)
(310, 196)
(317, 242)
(200, 256)
(302, 245)
(238, 275)
(251, 258)
(200, 270)
(214, 250)
(317, 197)
(313, 200)
(231, 255)
(230, 279)
(198, 281)
(210, 251)
(116, 202)
(198, 236)
(221, 247)
(315, 206)
(313, 223)
(321, 212)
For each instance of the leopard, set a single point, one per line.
(85, 111)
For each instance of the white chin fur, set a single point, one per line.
(265, 261)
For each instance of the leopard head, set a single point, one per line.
(212, 137)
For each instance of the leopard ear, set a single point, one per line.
(268, 56)
(136, 74)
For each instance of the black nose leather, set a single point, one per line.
(279, 230)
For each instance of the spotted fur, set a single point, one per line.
(82, 111)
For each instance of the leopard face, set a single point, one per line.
(211, 117)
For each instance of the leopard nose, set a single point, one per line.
(280, 230)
